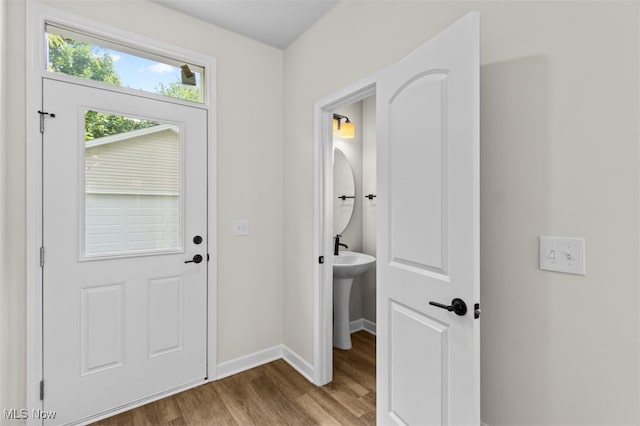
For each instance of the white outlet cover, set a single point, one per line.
(241, 227)
(560, 254)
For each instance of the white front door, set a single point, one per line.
(124, 200)
(428, 243)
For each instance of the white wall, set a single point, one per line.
(559, 155)
(5, 294)
(12, 274)
(250, 172)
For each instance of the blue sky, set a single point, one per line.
(140, 73)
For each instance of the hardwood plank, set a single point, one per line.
(337, 410)
(370, 400)
(348, 374)
(353, 385)
(276, 407)
(236, 407)
(290, 382)
(344, 396)
(316, 411)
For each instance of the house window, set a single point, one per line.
(87, 56)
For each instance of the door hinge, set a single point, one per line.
(41, 390)
(41, 257)
(42, 114)
(321, 260)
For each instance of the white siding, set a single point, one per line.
(132, 187)
(120, 223)
(147, 164)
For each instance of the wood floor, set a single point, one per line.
(274, 394)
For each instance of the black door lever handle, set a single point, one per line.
(196, 259)
(457, 306)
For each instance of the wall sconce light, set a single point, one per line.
(346, 130)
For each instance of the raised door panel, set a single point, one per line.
(165, 321)
(102, 324)
(418, 390)
(417, 119)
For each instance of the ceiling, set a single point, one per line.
(274, 22)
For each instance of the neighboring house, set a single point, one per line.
(132, 187)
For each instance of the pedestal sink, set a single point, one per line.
(346, 266)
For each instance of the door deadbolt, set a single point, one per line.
(197, 239)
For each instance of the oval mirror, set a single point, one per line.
(344, 185)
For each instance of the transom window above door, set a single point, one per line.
(78, 54)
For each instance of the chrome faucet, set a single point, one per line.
(336, 247)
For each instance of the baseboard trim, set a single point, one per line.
(363, 324)
(247, 362)
(298, 363)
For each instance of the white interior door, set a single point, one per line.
(428, 242)
(124, 315)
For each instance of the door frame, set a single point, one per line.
(323, 221)
(36, 16)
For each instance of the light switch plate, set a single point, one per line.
(561, 254)
(241, 227)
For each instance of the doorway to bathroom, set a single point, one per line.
(347, 212)
(427, 230)
(354, 220)
(354, 223)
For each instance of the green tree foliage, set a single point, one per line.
(97, 125)
(76, 58)
(176, 89)
(80, 59)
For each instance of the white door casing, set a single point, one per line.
(428, 232)
(119, 328)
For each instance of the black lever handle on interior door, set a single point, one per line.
(457, 306)
(196, 259)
